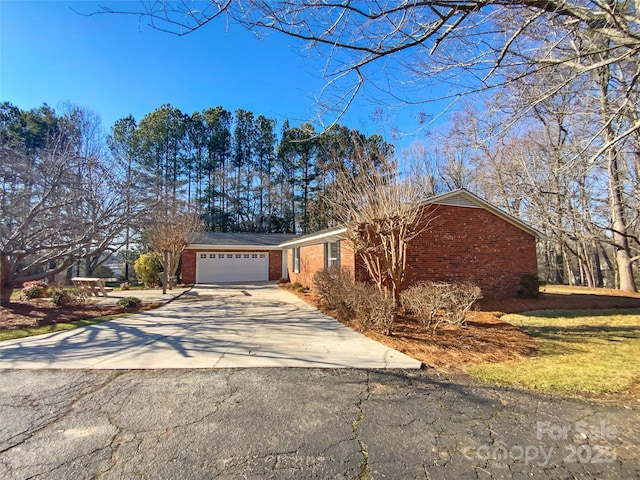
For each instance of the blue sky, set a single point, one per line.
(116, 65)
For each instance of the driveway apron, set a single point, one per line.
(215, 326)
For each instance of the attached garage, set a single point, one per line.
(220, 267)
(217, 257)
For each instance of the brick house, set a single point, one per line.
(467, 239)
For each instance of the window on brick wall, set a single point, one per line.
(331, 254)
(296, 260)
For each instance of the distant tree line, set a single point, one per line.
(71, 195)
(546, 171)
(238, 171)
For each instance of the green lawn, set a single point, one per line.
(28, 332)
(581, 352)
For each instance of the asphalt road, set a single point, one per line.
(294, 423)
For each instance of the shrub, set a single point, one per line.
(529, 286)
(373, 308)
(461, 297)
(129, 302)
(335, 285)
(35, 289)
(298, 287)
(436, 304)
(102, 271)
(424, 300)
(62, 298)
(147, 268)
(79, 295)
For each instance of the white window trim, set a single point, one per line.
(328, 260)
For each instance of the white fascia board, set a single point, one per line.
(337, 234)
(232, 247)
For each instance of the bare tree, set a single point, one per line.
(432, 40)
(381, 215)
(56, 207)
(167, 235)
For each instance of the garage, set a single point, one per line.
(221, 267)
(224, 257)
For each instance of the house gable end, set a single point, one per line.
(465, 199)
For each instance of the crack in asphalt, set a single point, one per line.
(365, 394)
(123, 438)
(29, 433)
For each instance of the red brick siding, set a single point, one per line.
(312, 260)
(275, 264)
(471, 244)
(460, 244)
(189, 262)
(188, 266)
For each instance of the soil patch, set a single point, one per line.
(40, 312)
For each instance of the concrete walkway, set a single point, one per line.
(225, 326)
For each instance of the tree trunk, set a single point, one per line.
(165, 273)
(599, 279)
(559, 270)
(620, 240)
(6, 287)
(616, 195)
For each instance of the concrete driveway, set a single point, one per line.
(224, 326)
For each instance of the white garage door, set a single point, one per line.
(215, 267)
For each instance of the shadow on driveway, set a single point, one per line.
(221, 326)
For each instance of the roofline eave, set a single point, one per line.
(336, 234)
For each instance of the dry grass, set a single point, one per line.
(576, 290)
(582, 352)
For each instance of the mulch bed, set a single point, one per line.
(485, 338)
(40, 312)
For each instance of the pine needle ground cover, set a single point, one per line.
(581, 352)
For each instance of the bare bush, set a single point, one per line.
(61, 297)
(374, 309)
(436, 303)
(334, 285)
(459, 298)
(424, 300)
